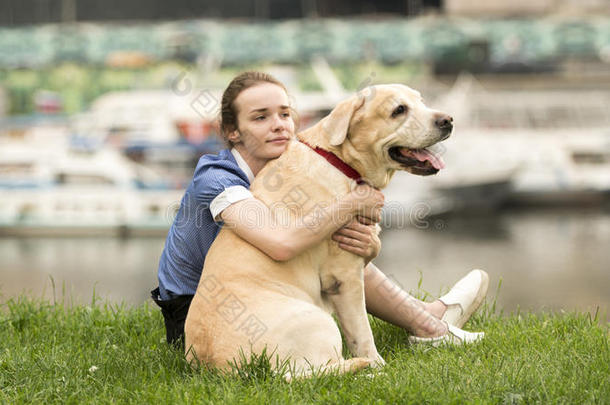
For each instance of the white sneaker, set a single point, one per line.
(465, 297)
(454, 335)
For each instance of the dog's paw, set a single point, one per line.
(377, 361)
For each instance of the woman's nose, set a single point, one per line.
(277, 123)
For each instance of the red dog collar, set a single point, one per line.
(338, 163)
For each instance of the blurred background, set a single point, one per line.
(105, 108)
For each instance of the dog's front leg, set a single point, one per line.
(346, 295)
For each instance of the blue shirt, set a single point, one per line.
(194, 228)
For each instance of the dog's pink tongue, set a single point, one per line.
(425, 155)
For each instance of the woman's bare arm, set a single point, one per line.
(253, 221)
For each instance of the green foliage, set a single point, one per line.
(79, 85)
(104, 353)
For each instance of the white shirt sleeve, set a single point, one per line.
(228, 196)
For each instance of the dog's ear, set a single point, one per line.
(336, 124)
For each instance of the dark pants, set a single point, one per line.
(174, 313)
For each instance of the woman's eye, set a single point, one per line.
(286, 115)
(260, 118)
(401, 109)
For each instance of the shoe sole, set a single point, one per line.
(447, 339)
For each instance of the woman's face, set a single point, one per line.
(264, 121)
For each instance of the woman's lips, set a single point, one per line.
(278, 140)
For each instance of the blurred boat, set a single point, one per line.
(55, 190)
(541, 147)
(100, 173)
(165, 130)
(168, 130)
(564, 168)
(410, 201)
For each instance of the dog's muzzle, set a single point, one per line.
(422, 162)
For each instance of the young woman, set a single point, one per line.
(257, 122)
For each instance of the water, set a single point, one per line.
(547, 259)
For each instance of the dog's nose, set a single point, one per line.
(444, 122)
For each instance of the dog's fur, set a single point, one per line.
(247, 302)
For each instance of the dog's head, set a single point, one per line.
(385, 128)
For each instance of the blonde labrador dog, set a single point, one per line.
(247, 303)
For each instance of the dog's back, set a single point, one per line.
(247, 301)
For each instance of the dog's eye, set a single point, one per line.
(401, 109)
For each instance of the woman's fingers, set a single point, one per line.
(356, 231)
(356, 225)
(365, 220)
(349, 240)
(355, 234)
(358, 238)
(358, 250)
(355, 240)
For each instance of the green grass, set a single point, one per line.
(105, 353)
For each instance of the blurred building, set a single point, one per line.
(16, 12)
(523, 8)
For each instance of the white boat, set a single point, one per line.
(544, 146)
(410, 201)
(564, 167)
(55, 190)
(77, 181)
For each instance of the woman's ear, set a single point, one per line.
(234, 136)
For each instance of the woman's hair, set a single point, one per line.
(243, 81)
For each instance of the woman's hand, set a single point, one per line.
(368, 202)
(359, 238)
